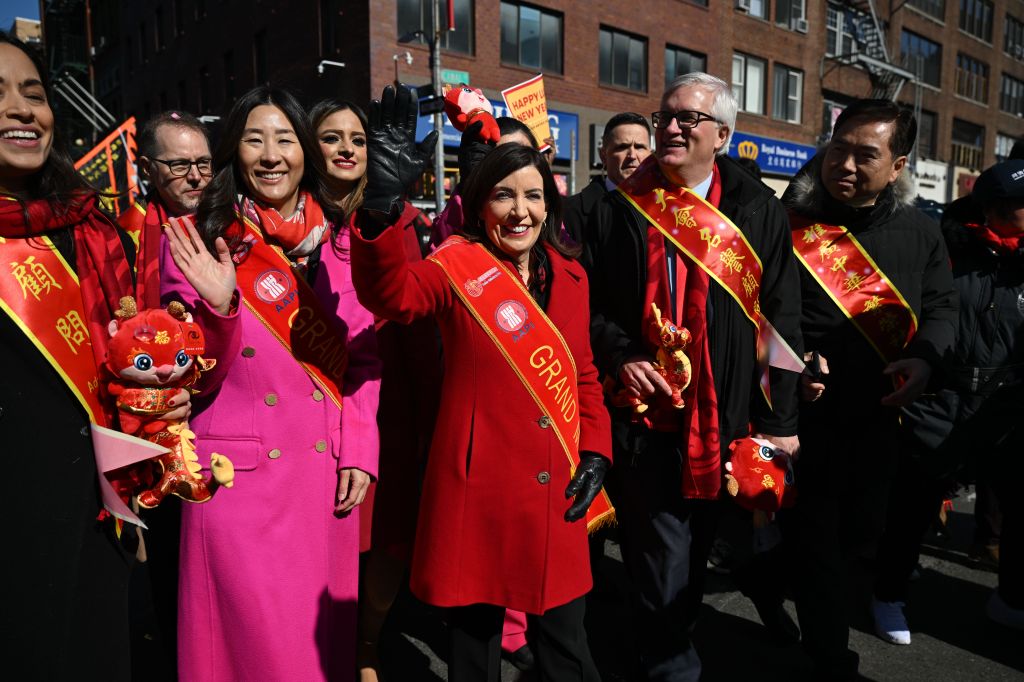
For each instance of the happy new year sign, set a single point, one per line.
(527, 103)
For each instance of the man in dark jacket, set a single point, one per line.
(878, 303)
(625, 143)
(667, 471)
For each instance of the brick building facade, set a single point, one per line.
(793, 63)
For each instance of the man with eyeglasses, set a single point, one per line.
(174, 159)
(693, 233)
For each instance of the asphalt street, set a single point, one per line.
(952, 637)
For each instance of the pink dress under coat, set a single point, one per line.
(269, 576)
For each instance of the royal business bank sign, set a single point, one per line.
(563, 124)
(772, 156)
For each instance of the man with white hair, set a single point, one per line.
(693, 234)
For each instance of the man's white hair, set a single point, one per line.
(723, 103)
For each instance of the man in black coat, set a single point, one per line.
(848, 432)
(665, 529)
(625, 143)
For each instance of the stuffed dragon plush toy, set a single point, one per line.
(152, 355)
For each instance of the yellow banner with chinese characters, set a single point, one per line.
(110, 167)
(708, 238)
(853, 280)
(41, 293)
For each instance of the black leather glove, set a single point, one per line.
(586, 484)
(472, 150)
(394, 160)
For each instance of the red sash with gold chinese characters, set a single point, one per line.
(527, 339)
(852, 279)
(708, 238)
(288, 308)
(41, 293)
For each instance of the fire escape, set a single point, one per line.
(860, 18)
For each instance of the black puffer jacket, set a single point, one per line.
(982, 396)
(615, 256)
(908, 247)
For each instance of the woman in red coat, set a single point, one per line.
(521, 407)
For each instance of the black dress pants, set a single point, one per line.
(665, 542)
(558, 638)
(843, 478)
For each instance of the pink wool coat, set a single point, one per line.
(269, 576)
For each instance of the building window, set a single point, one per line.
(182, 96)
(755, 8)
(129, 55)
(158, 29)
(921, 56)
(679, 61)
(417, 15)
(1004, 143)
(1013, 40)
(1011, 95)
(791, 14)
(205, 105)
(935, 8)
(748, 82)
(531, 37)
(788, 94)
(926, 127)
(623, 60)
(971, 78)
(839, 33)
(199, 10)
(259, 57)
(143, 52)
(968, 144)
(976, 18)
(179, 18)
(229, 76)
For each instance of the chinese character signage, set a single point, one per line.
(110, 167)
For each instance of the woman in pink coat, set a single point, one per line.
(269, 568)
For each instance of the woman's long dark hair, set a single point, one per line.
(503, 161)
(317, 114)
(57, 182)
(216, 212)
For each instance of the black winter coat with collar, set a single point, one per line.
(908, 247)
(981, 395)
(615, 256)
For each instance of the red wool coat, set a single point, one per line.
(491, 527)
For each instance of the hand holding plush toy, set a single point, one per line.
(670, 362)
(153, 354)
(465, 106)
(760, 476)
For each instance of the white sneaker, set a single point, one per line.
(1002, 613)
(890, 623)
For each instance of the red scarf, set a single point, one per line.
(299, 234)
(1000, 239)
(147, 262)
(100, 261)
(699, 420)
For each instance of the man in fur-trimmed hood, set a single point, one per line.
(878, 303)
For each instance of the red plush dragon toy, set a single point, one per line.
(465, 106)
(670, 362)
(152, 355)
(759, 475)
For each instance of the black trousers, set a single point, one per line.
(557, 636)
(843, 478)
(913, 505)
(665, 542)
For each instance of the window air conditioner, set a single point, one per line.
(800, 25)
(743, 5)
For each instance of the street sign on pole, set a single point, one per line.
(454, 76)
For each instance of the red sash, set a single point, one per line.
(527, 339)
(718, 247)
(852, 279)
(43, 296)
(132, 220)
(288, 308)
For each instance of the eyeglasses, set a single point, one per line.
(685, 118)
(179, 168)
